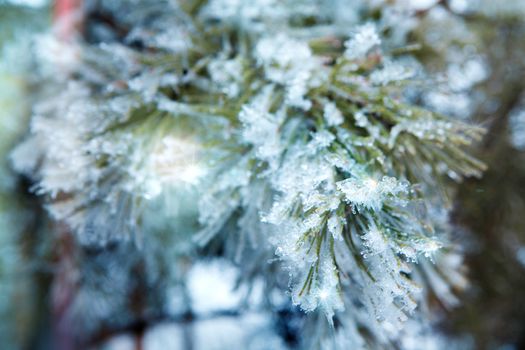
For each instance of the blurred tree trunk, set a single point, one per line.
(492, 208)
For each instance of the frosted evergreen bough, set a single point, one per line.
(291, 125)
(362, 41)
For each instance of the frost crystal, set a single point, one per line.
(283, 52)
(375, 241)
(288, 62)
(362, 41)
(369, 193)
(261, 128)
(226, 74)
(391, 72)
(335, 226)
(332, 115)
(321, 140)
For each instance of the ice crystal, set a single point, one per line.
(288, 62)
(226, 73)
(282, 57)
(362, 41)
(391, 72)
(261, 128)
(332, 115)
(320, 140)
(335, 226)
(375, 241)
(370, 193)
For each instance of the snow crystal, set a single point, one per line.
(332, 115)
(370, 193)
(340, 160)
(324, 293)
(361, 119)
(429, 247)
(375, 241)
(423, 129)
(289, 62)
(297, 89)
(283, 52)
(146, 84)
(226, 73)
(391, 72)
(335, 226)
(321, 140)
(362, 41)
(261, 129)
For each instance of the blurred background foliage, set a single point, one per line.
(492, 209)
(24, 268)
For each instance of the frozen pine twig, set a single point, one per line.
(290, 125)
